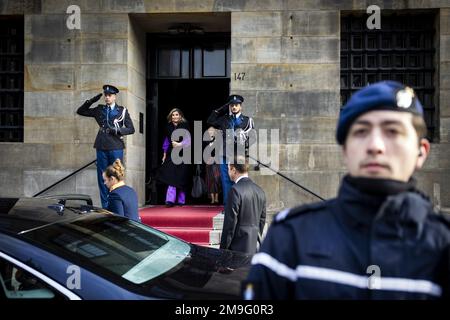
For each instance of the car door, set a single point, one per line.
(19, 281)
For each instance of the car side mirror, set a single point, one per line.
(59, 208)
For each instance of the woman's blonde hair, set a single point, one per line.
(116, 170)
(169, 116)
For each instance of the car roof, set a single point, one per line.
(21, 214)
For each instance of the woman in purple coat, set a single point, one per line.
(176, 176)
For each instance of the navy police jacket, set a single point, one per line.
(356, 246)
(236, 131)
(108, 137)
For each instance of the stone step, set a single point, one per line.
(218, 222)
(201, 235)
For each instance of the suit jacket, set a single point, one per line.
(245, 216)
(124, 202)
(108, 139)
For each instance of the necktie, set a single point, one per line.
(233, 121)
(108, 112)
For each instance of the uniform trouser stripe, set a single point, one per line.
(346, 278)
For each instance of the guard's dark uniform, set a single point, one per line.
(326, 250)
(107, 138)
(113, 123)
(224, 121)
(236, 131)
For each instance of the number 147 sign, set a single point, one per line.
(239, 75)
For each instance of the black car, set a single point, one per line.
(50, 249)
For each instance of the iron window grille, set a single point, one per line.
(11, 78)
(402, 50)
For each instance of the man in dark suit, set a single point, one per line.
(236, 129)
(114, 122)
(245, 212)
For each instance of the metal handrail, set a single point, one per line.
(65, 178)
(259, 162)
(287, 178)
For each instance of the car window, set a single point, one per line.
(16, 283)
(113, 244)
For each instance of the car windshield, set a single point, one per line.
(129, 249)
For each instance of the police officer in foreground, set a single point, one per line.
(236, 129)
(114, 122)
(379, 239)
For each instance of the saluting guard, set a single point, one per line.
(114, 122)
(236, 129)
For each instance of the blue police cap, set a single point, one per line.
(384, 95)
(107, 88)
(235, 99)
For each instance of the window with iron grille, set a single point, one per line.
(11, 78)
(402, 50)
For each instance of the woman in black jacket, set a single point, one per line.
(176, 176)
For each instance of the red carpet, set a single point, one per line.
(191, 223)
(189, 234)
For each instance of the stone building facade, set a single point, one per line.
(289, 51)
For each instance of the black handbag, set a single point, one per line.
(198, 184)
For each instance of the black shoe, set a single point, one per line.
(180, 204)
(169, 204)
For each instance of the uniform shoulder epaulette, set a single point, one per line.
(296, 211)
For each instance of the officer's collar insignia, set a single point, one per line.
(405, 98)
